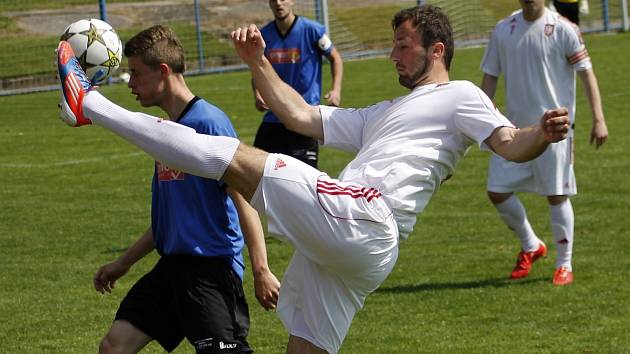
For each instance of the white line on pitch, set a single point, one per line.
(68, 162)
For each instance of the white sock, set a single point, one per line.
(562, 221)
(173, 144)
(513, 214)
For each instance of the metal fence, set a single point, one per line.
(29, 29)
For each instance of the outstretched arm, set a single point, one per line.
(259, 102)
(520, 145)
(266, 285)
(105, 278)
(333, 96)
(286, 103)
(599, 132)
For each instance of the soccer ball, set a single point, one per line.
(97, 46)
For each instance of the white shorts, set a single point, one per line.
(346, 243)
(549, 174)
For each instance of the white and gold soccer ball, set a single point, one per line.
(97, 47)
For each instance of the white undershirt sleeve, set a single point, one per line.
(173, 144)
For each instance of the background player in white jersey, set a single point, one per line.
(538, 53)
(295, 46)
(345, 232)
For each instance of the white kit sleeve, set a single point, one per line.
(173, 144)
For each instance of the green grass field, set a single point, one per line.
(72, 200)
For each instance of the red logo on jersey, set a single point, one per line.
(549, 29)
(512, 25)
(284, 56)
(279, 164)
(165, 173)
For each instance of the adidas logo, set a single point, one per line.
(279, 164)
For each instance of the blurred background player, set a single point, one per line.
(295, 46)
(195, 289)
(571, 9)
(539, 52)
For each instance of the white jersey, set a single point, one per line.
(538, 60)
(406, 147)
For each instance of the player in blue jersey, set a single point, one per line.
(295, 46)
(195, 290)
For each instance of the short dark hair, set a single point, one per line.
(156, 45)
(433, 26)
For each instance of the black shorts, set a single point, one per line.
(276, 138)
(570, 10)
(198, 298)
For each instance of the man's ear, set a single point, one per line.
(165, 70)
(437, 51)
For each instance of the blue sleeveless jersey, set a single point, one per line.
(297, 58)
(191, 215)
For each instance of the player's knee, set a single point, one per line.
(498, 198)
(299, 345)
(106, 346)
(557, 199)
(109, 345)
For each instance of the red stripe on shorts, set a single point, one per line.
(352, 191)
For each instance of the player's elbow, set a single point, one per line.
(504, 142)
(294, 123)
(515, 152)
(306, 122)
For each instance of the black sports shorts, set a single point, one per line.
(276, 138)
(198, 298)
(569, 10)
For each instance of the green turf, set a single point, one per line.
(72, 200)
(40, 47)
(24, 5)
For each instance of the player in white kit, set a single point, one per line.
(538, 53)
(345, 231)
